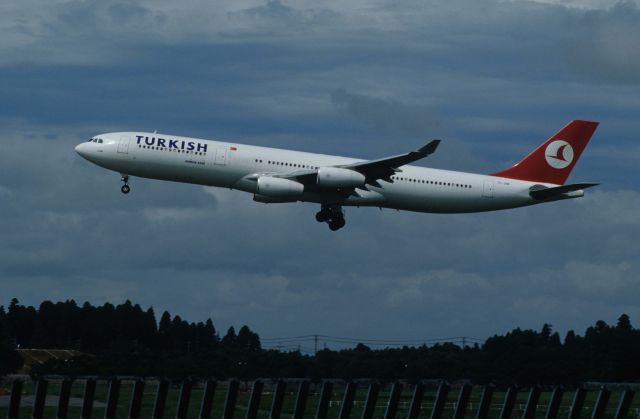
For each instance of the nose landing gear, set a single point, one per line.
(125, 188)
(332, 215)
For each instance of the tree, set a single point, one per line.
(247, 340)
(20, 322)
(211, 336)
(165, 324)
(624, 323)
(10, 361)
(230, 339)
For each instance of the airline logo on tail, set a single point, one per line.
(553, 161)
(559, 154)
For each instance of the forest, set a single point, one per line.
(126, 339)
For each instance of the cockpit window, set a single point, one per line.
(100, 140)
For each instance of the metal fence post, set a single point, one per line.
(301, 400)
(601, 403)
(416, 401)
(207, 399)
(347, 401)
(625, 403)
(394, 399)
(161, 399)
(183, 400)
(136, 400)
(463, 400)
(325, 398)
(14, 401)
(370, 403)
(254, 400)
(278, 399)
(230, 402)
(441, 399)
(112, 399)
(485, 402)
(89, 395)
(41, 396)
(509, 402)
(63, 400)
(554, 404)
(578, 402)
(532, 403)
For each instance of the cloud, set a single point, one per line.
(418, 289)
(207, 251)
(366, 79)
(602, 279)
(604, 43)
(385, 116)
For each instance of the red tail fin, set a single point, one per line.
(553, 161)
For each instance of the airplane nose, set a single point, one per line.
(82, 149)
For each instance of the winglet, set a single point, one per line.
(429, 148)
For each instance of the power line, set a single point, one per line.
(287, 338)
(294, 341)
(399, 341)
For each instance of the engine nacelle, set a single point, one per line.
(337, 177)
(278, 187)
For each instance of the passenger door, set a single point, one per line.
(487, 190)
(221, 156)
(123, 145)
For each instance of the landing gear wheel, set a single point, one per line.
(125, 188)
(331, 214)
(323, 215)
(336, 224)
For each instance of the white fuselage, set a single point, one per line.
(235, 166)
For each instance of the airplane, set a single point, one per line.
(282, 176)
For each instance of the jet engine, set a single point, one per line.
(278, 187)
(337, 177)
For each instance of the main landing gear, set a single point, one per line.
(332, 215)
(125, 188)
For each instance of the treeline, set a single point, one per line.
(127, 340)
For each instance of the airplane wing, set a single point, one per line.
(384, 168)
(373, 170)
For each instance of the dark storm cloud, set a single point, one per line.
(492, 79)
(606, 47)
(385, 116)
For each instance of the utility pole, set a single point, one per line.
(315, 345)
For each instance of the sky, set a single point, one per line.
(492, 79)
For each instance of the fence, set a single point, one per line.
(457, 403)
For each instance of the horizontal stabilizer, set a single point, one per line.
(541, 192)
